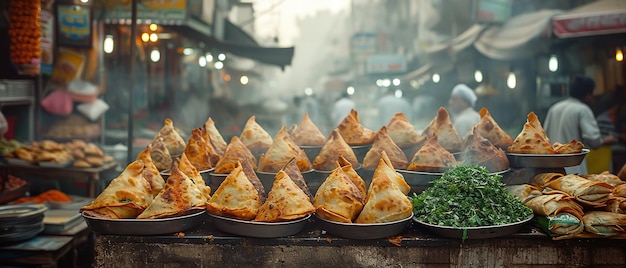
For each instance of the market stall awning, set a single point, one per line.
(596, 18)
(513, 39)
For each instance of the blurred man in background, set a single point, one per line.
(461, 104)
(389, 105)
(342, 108)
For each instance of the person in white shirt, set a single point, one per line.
(461, 105)
(342, 108)
(389, 105)
(572, 119)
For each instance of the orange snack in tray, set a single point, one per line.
(442, 127)
(353, 132)
(307, 133)
(384, 144)
(489, 129)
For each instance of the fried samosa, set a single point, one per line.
(285, 202)
(292, 170)
(571, 147)
(254, 137)
(185, 166)
(432, 158)
(590, 193)
(235, 151)
(332, 149)
(523, 191)
(481, 152)
(160, 154)
(253, 178)
(553, 204)
(353, 176)
(616, 205)
(604, 223)
(218, 142)
(385, 167)
(173, 141)
(125, 197)
(353, 132)
(338, 199)
(151, 173)
(541, 179)
(200, 152)
(620, 190)
(282, 150)
(384, 143)
(605, 176)
(385, 201)
(489, 129)
(532, 139)
(442, 127)
(307, 133)
(403, 133)
(236, 197)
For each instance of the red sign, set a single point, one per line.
(590, 25)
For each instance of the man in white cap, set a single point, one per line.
(461, 105)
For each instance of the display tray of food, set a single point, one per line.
(14, 188)
(259, 229)
(17, 161)
(364, 230)
(546, 160)
(419, 178)
(480, 232)
(144, 226)
(55, 164)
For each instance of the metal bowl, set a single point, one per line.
(546, 160)
(364, 231)
(145, 226)
(215, 180)
(360, 151)
(259, 229)
(311, 151)
(474, 232)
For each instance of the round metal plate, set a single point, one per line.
(364, 231)
(259, 229)
(546, 160)
(144, 226)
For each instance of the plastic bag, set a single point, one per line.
(82, 91)
(58, 102)
(93, 110)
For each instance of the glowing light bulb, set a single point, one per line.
(619, 55)
(109, 44)
(478, 76)
(553, 63)
(436, 78)
(511, 81)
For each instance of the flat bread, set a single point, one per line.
(282, 150)
(160, 154)
(200, 152)
(442, 127)
(586, 192)
(292, 170)
(572, 147)
(307, 133)
(531, 141)
(338, 199)
(235, 152)
(605, 176)
(185, 166)
(236, 197)
(489, 129)
(332, 149)
(353, 132)
(180, 196)
(403, 133)
(151, 172)
(254, 136)
(481, 152)
(285, 202)
(384, 143)
(385, 201)
(432, 158)
(125, 197)
(216, 138)
(173, 141)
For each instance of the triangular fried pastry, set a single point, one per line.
(534, 121)
(481, 152)
(353, 132)
(253, 178)
(254, 136)
(173, 141)
(151, 173)
(402, 132)
(180, 196)
(431, 158)
(572, 147)
(200, 152)
(442, 127)
(385, 202)
(291, 168)
(384, 143)
(489, 129)
(338, 199)
(235, 152)
(236, 197)
(280, 152)
(332, 149)
(185, 166)
(285, 202)
(354, 177)
(385, 166)
(531, 141)
(160, 154)
(216, 138)
(307, 133)
(125, 197)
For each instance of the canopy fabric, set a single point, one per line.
(596, 18)
(512, 39)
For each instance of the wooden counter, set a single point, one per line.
(204, 246)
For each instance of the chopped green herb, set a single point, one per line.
(127, 200)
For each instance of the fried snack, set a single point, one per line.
(254, 137)
(235, 152)
(185, 166)
(620, 190)
(25, 154)
(93, 150)
(78, 153)
(353, 176)
(540, 180)
(173, 141)
(403, 133)
(353, 132)
(285, 202)
(338, 199)
(151, 172)
(536, 124)
(200, 152)
(160, 154)
(590, 193)
(307, 133)
(125, 197)
(604, 223)
(489, 129)
(571, 147)
(334, 147)
(254, 179)
(49, 145)
(216, 138)
(292, 170)
(236, 197)
(94, 161)
(605, 176)
(523, 191)
(431, 158)
(481, 152)
(384, 143)
(532, 139)
(282, 150)
(80, 163)
(386, 168)
(385, 201)
(442, 127)
(616, 205)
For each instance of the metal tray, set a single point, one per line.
(360, 151)
(54, 164)
(474, 232)
(16, 161)
(546, 160)
(311, 151)
(145, 226)
(259, 229)
(364, 231)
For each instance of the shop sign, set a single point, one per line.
(74, 25)
(171, 10)
(590, 25)
(364, 44)
(381, 64)
(497, 11)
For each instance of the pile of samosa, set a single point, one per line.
(573, 206)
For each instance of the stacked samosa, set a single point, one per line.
(442, 127)
(403, 133)
(292, 170)
(235, 151)
(200, 152)
(236, 197)
(307, 133)
(353, 132)
(285, 202)
(172, 140)
(334, 147)
(432, 157)
(215, 137)
(160, 154)
(339, 198)
(185, 166)
(150, 172)
(533, 140)
(282, 150)
(489, 129)
(384, 143)
(254, 137)
(481, 152)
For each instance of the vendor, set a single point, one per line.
(461, 104)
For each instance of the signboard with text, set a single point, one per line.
(383, 63)
(74, 25)
(161, 11)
